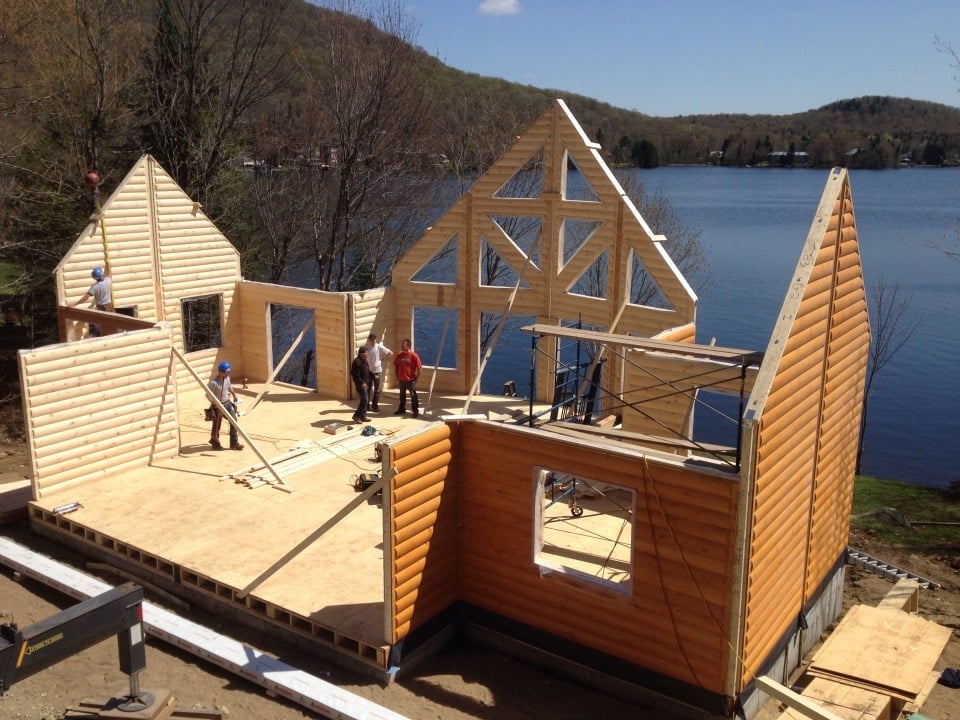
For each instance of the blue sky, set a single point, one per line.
(679, 57)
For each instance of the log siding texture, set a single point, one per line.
(804, 415)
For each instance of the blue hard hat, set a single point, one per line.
(224, 366)
(97, 273)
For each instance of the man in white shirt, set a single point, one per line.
(376, 353)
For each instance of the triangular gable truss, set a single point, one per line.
(546, 288)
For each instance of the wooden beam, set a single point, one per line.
(229, 418)
(802, 705)
(312, 537)
(713, 352)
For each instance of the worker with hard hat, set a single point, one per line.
(221, 387)
(101, 294)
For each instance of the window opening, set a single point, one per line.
(202, 322)
(435, 334)
(293, 343)
(584, 528)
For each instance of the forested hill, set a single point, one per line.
(865, 132)
(59, 58)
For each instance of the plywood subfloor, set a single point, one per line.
(189, 513)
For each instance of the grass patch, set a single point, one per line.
(921, 519)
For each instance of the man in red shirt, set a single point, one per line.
(408, 366)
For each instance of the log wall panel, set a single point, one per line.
(420, 540)
(807, 430)
(330, 318)
(497, 542)
(148, 406)
(553, 136)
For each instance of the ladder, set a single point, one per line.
(862, 560)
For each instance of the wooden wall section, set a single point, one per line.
(804, 420)
(674, 618)
(332, 351)
(546, 270)
(162, 249)
(660, 389)
(420, 537)
(372, 313)
(88, 413)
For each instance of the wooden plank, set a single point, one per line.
(632, 341)
(808, 708)
(905, 596)
(848, 702)
(891, 652)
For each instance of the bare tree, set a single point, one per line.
(370, 115)
(893, 327)
(211, 61)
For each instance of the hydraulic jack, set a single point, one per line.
(116, 612)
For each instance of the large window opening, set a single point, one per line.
(435, 335)
(584, 528)
(202, 322)
(293, 340)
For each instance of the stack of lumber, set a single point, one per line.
(876, 664)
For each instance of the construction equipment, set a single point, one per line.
(119, 612)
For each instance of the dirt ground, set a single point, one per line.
(457, 684)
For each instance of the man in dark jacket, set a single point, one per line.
(360, 372)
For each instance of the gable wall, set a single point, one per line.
(162, 249)
(128, 220)
(544, 289)
(806, 412)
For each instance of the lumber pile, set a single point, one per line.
(876, 664)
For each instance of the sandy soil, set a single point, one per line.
(458, 684)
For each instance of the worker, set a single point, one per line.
(223, 389)
(377, 352)
(408, 366)
(100, 292)
(361, 375)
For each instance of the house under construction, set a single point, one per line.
(585, 523)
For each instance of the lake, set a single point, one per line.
(754, 222)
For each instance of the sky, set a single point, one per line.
(683, 57)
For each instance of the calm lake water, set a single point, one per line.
(754, 223)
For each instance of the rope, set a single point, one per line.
(93, 180)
